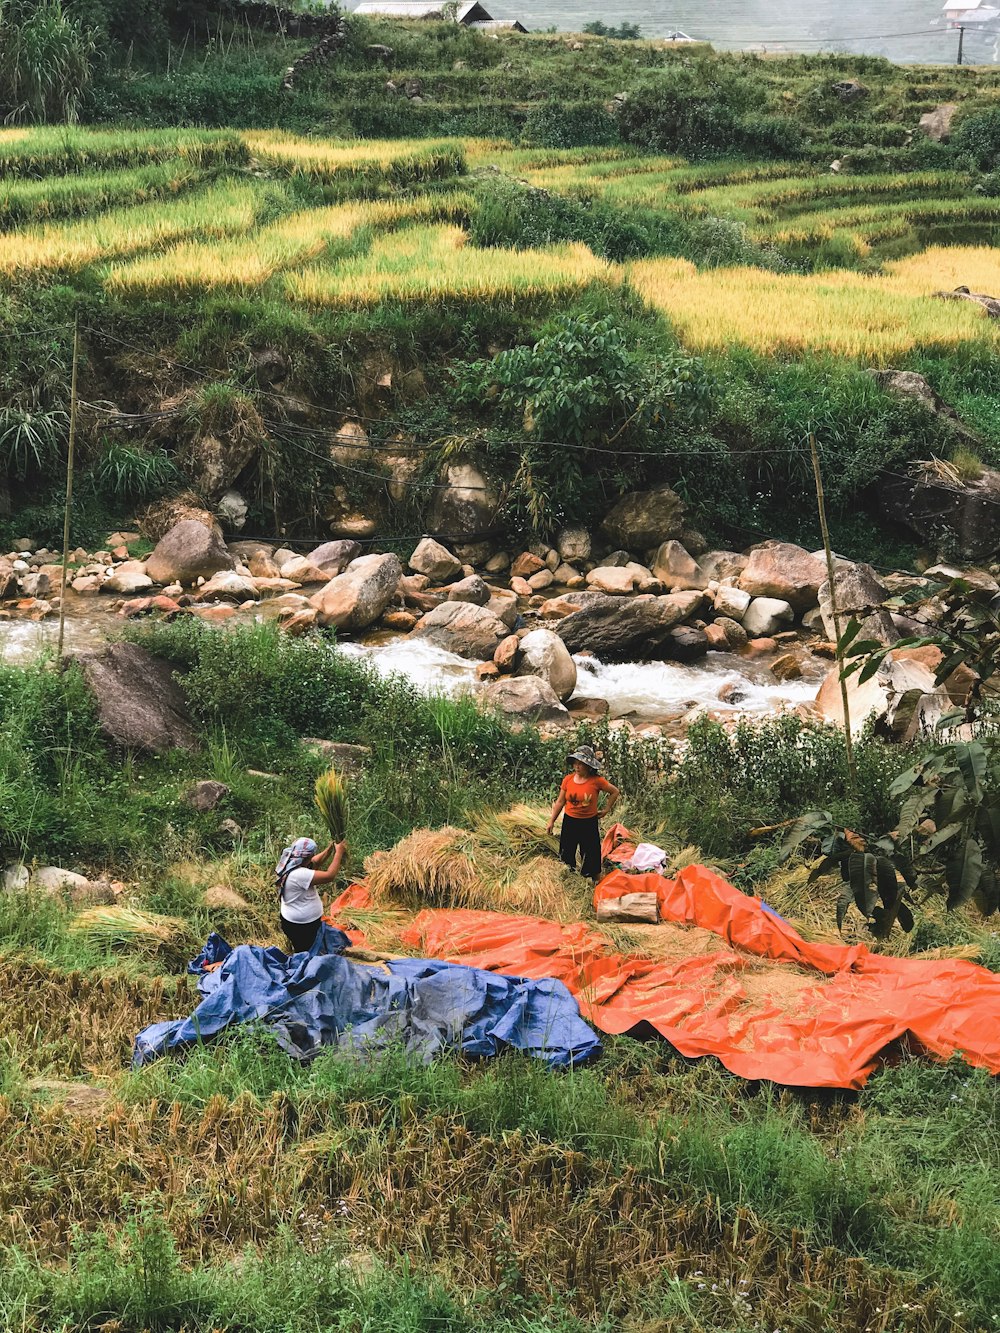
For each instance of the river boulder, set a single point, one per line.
(333, 557)
(471, 589)
(860, 594)
(619, 630)
(786, 572)
(766, 616)
(573, 545)
(644, 519)
(465, 507)
(901, 697)
(129, 577)
(357, 598)
(544, 654)
(463, 628)
(140, 705)
(677, 569)
(526, 698)
(436, 561)
(188, 551)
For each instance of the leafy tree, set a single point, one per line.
(582, 387)
(625, 32)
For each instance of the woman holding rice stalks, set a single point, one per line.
(297, 875)
(577, 801)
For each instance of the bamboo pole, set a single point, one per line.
(69, 483)
(831, 576)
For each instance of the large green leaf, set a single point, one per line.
(942, 836)
(987, 894)
(963, 872)
(971, 760)
(861, 870)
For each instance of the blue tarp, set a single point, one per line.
(316, 999)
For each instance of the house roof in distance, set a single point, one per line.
(470, 11)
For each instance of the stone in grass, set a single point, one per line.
(206, 795)
(218, 896)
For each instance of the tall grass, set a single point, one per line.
(296, 239)
(220, 210)
(29, 200)
(872, 318)
(434, 264)
(367, 162)
(52, 151)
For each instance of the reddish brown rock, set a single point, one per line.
(508, 653)
(487, 671)
(521, 586)
(759, 647)
(787, 667)
(400, 620)
(525, 565)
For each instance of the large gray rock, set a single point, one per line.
(436, 561)
(786, 572)
(528, 698)
(189, 551)
(544, 654)
(731, 602)
(8, 578)
(214, 463)
(460, 627)
(936, 124)
(139, 703)
(334, 557)
(472, 589)
(355, 599)
(766, 616)
(860, 594)
(902, 697)
(644, 519)
(228, 586)
(573, 545)
(466, 506)
(129, 577)
(619, 630)
(677, 569)
(963, 518)
(723, 566)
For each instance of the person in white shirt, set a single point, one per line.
(298, 875)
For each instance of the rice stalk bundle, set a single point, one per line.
(520, 831)
(545, 887)
(331, 802)
(429, 868)
(124, 929)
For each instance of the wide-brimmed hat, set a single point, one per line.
(585, 755)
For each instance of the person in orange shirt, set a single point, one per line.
(577, 802)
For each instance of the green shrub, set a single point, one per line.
(45, 62)
(976, 140)
(706, 109)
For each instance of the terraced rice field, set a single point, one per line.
(324, 224)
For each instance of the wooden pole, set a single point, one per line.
(831, 573)
(961, 43)
(69, 483)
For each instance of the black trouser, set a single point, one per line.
(584, 834)
(301, 935)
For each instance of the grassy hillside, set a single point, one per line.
(387, 273)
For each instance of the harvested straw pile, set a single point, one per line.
(520, 831)
(429, 868)
(129, 930)
(490, 869)
(331, 802)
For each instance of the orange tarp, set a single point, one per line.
(814, 1015)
